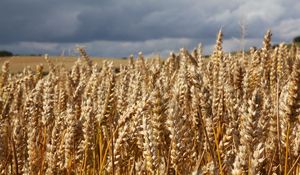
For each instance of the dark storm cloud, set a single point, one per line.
(83, 21)
(118, 27)
(33, 20)
(142, 21)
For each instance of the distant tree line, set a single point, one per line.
(296, 39)
(4, 53)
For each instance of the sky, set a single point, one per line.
(118, 28)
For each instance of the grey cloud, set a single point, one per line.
(31, 20)
(107, 25)
(112, 21)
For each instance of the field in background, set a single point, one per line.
(18, 63)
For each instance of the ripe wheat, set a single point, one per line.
(184, 115)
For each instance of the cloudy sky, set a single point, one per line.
(117, 28)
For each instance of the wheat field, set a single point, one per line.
(19, 63)
(183, 115)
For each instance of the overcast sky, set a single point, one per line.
(117, 28)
